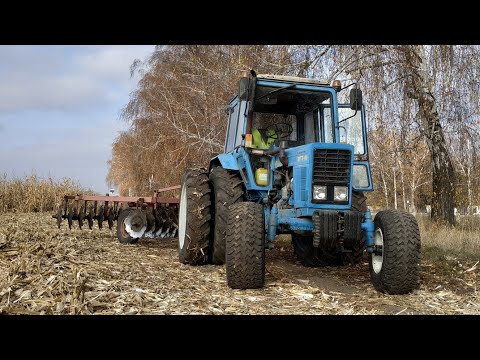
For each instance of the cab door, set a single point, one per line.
(352, 127)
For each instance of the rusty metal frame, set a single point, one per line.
(148, 200)
(111, 212)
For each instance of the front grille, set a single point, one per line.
(331, 167)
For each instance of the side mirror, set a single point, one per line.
(355, 99)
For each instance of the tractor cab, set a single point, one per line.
(283, 112)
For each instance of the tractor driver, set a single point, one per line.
(268, 128)
(263, 138)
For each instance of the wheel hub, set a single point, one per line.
(135, 225)
(377, 255)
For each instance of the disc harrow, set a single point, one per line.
(148, 217)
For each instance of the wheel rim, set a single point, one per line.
(182, 217)
(377, 260)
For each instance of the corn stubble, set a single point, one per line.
(46, 270)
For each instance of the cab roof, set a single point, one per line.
(292, 79)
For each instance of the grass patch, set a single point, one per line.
(462, 239)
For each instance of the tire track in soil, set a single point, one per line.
(282, 264)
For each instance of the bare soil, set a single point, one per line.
(45, 270)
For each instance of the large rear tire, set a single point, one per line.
(245, 246)
(194, 218)
(227, 190)
(396, 270)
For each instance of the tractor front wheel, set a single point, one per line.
(194, 218)
(245, 246)
(395, 264)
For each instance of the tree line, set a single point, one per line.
(421, 102)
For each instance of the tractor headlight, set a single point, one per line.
(340, 193)
(319, 192)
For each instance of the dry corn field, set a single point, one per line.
(46, 270)
(33, 193)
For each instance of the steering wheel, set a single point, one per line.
(283, 129)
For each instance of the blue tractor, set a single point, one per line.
(295, 162)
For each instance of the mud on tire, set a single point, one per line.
(245, 246)
(227, 189)
(194, 218)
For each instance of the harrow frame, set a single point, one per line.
(108, 208)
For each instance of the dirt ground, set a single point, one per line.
(44, 270)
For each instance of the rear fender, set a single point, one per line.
(226, 161)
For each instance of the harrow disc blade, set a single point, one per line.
(136, 223)
(116, 214)
(149, 234)
(89, 218)
(59, 216)
(100, 217)
(164, 233)
(150, 222)
(172, 216)
(110, 217)
(81, 216)
(158, 232)
(70, 218)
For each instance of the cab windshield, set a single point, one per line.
(297, 116)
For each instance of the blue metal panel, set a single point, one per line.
(228, 161)
(297, 220)
(245, 161)
(287, 213)
(303, 183)
(275, 217)
(272, 224)
(302, 156)
(369, 227)
(297, 223)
